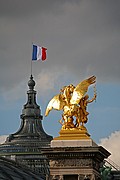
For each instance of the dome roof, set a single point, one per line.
(11, 170)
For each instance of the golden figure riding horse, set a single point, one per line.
(73, 101)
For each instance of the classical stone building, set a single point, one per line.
(25, 145)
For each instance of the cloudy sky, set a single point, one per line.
(82, 39)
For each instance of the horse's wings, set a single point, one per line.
(81, 89)
(56, 103)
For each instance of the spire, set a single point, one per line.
(31, 120)
(31, 108)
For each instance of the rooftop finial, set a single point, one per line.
(31, 83)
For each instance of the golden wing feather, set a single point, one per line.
(81, 89)
(56, 103)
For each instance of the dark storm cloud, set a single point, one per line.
(82, 37)
(16, 8)
(20, 8)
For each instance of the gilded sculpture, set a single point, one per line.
(73, 101)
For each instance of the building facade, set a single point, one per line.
(25, 145)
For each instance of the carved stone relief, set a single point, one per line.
(71, 162)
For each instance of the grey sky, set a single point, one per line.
(82, 38)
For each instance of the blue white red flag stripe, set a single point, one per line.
(39, 53)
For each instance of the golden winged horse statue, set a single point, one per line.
(73, 101)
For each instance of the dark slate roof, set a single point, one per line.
(10, 170)
(30, 133)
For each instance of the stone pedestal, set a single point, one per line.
(75, 163)
(73, 134)
(73, 143)
(75, 156)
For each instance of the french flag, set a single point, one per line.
(39, 53)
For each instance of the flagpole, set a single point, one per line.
(31, 59)
(31, 66)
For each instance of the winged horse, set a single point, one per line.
(69, 101)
